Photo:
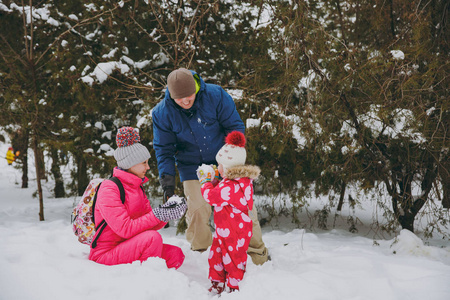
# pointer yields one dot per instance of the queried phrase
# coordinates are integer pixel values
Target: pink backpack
(83, 222)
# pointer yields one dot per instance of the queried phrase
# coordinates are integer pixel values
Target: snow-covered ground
(44, 260)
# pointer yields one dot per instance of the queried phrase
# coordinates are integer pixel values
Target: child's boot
(216, 287)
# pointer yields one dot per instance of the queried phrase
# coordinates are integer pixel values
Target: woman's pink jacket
(124, 220)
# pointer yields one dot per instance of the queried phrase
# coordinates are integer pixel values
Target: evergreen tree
(380, 85)
(336, 93)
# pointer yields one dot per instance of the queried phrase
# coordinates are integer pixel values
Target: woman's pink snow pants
(141, 247)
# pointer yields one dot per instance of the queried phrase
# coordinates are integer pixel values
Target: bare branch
(31, 30)
(83, 22)
(12, 49)
(24, 18)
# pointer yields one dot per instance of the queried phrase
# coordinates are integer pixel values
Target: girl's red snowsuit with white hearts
(232, 198)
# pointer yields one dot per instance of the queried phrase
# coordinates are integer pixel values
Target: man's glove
(168, 185)
(205, 173)
(174, 208)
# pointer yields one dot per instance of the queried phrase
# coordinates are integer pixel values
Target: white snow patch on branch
(235, 94)
(253, 122)
(402, 123)
(398, 54)
(110, 54)
(103, 70)
(3, 7)
(73, 17)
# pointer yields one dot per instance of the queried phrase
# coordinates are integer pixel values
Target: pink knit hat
(233, 152)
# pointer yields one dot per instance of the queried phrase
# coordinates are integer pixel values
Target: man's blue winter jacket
(190, 137)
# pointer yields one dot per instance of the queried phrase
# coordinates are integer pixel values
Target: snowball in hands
(205, 172)
(175, 200)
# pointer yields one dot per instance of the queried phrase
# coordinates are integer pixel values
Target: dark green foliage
(320, 77)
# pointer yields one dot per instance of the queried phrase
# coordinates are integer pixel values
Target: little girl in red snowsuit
(232, 198)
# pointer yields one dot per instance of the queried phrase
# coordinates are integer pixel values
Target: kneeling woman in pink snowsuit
(131, 231)
(232, 198)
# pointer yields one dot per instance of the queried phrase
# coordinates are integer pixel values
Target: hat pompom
(233, 152)
(127, 136)
(235, 138)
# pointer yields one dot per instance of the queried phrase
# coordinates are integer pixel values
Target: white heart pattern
(226, 259)
(248, 192)
(223, 232)
(233, 281)
(236, 188)
(246, 218)
(225, 193)
(205, 195)
(240, 243)
(218, 267)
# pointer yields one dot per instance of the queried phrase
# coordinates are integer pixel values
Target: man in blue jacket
(189, 128)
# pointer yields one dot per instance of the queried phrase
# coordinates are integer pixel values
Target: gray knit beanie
(181, 83)
(129, 151)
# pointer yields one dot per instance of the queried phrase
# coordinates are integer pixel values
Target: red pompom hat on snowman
(233, 152)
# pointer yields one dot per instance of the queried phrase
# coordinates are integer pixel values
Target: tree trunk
(20, 142)
(38, 177)
(41, 162)
(446, 195)
(403, 212)
(341, 21)
(83, 179)
(410, 207)
(391, 14)
(59, 182)
(407, 221)
(341, 197)
(444, 174)
(25, 169)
